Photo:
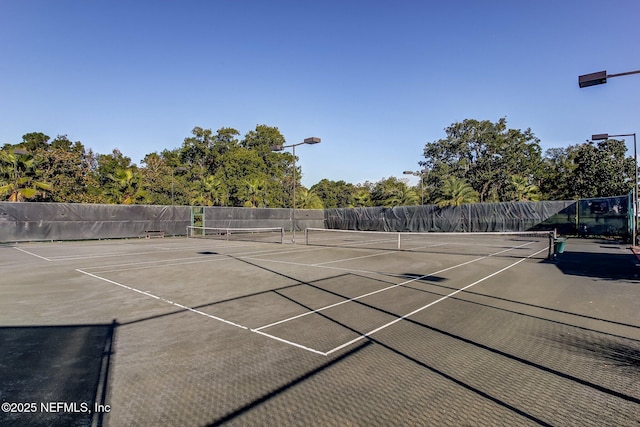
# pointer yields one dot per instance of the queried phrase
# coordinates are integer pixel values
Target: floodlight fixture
(592, 79)
(600, 77)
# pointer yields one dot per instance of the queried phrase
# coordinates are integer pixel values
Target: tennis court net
(508, 244)
(264, 234)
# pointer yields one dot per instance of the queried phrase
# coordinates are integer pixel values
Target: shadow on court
(606, 262)
(49, 366)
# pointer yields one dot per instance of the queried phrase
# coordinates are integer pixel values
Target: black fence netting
(562, 216)
(69, 221)
(74, 221)
(234, 217)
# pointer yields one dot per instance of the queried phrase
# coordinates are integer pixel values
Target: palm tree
(255, 193)
(402, 196)
(212, 192)
(456, 192)
(308, 199)
(17, 176)
(524, 190)
(362, 198)
(125, 187)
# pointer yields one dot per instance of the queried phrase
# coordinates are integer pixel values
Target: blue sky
(376, 80)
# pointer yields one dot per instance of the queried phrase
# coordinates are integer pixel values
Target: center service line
(430, 304)
(383, 289)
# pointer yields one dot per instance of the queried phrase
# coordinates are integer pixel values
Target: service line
(390, 287)
(32, 254)
(378, 329)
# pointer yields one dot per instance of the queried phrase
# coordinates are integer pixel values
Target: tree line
(476, 161)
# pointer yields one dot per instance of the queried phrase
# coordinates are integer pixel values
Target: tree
(588, 170)
(456, 192)
(19, 177)
(255, 193)
(485, 154)
(524, 190)
(71, 170)
(125, 187)
(601, 169)
(211, 192)
(393, 192)
(307, 199)
(362, 197)
(335, 194)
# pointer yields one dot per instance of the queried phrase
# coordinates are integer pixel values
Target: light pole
(173, 171)
(599, 78)
(603, 136)
(312, 140)
(421, 175)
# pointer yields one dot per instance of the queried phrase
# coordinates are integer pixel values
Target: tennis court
(178, 331)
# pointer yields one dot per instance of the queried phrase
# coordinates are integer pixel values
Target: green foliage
(523, 190)
(456, 192)
(588, 170)
(393, 192)
(476, 161)
(19, 176)
(125, 187)
(308, 199)
(484, 154)
(335, 194)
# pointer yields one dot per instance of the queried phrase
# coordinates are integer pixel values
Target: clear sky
(376, 80)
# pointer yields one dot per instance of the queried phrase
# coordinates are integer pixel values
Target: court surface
(180, 331)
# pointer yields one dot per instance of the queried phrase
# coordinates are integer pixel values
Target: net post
(552, 241)
(306, 236)
(281, 235)
(399, 241)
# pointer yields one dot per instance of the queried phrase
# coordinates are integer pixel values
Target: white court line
(218, 257)
(120, 254)
(351, 259)
(165, 263)
(193, 310)
(361, 337)
(32, 254)
(387, 288)
(290, 342)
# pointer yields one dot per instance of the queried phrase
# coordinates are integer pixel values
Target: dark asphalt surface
(188, 332)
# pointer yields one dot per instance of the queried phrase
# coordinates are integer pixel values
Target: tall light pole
(599, 78)
(173, 171)
(421, 175)
(602, 136)
(312, 140)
